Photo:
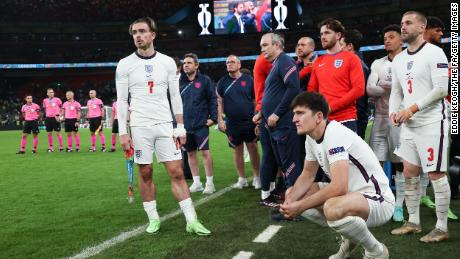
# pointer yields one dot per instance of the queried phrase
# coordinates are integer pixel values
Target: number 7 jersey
(414, 76)
(146, 80)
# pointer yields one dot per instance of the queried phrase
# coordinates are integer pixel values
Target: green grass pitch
(53, 205)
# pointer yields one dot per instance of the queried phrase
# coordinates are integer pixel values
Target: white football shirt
(146, 82)
(365, 173)
(380, 71)
(421, 78)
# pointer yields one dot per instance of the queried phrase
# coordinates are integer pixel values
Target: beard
(329, 44)
(409, 37)
(303, 55)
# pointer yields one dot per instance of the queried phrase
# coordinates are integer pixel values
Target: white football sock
(188, 210)
(412, 197)
(264, 195)
(315, 216)
(242, 180)
(272, 186)
(150, 208)
(196, 179)
(399, 182)
(355, 229)
(209, 179)
(442, 199)
(424, 181)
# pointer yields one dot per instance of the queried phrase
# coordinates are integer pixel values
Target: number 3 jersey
(146, 80)
(414, 76)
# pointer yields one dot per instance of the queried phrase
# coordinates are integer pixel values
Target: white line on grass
(267, 234)
(243, 255)
(94, 250)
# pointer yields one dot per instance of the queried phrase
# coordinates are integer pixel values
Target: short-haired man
(31, 113)
(420, 83)
(281, 86)
(338, 75)
(96, 117)
(384, 135)
(236, 23)
(71, 113)
(200, 112)
(433, 34)
(433, 31)
(305, 49)
(235, 98)
(358, 195)
(145, 76)
(52, 106)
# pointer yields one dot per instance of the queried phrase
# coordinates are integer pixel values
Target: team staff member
(281, 86)
(235, 98)
(200, 112)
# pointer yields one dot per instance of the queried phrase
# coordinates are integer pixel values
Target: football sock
(424, 181)
(50, 140)
(114, 140)
(412, 197)
(77, 141)
(442, 199)
(69, 142)
(355, 229)
(188, 210)
(399, 182)
(102, 138)
(93, 141)
(59, 135)
(35, 142)
(196, 179)
(23, 143)
(150, 208)
(315, 216)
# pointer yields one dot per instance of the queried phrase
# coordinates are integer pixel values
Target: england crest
(138, 153)
(148, 69)
(409, 65)
(338, 63)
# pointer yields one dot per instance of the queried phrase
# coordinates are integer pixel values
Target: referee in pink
(52, 106)
(96, 117)
(31, 113)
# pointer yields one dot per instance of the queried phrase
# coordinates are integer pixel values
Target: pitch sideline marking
(267, 234)
(94, 250)
(243, 255)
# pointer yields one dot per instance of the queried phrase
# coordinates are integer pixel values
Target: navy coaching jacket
(199, 101)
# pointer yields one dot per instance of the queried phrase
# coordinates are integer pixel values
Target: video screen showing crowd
(236, 17)
(306, 113)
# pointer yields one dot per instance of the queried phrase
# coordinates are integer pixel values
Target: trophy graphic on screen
(204, 19)
(280, 12)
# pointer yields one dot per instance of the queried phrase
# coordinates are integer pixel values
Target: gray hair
(277, 39)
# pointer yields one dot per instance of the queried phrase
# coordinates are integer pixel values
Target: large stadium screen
(235, 17)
